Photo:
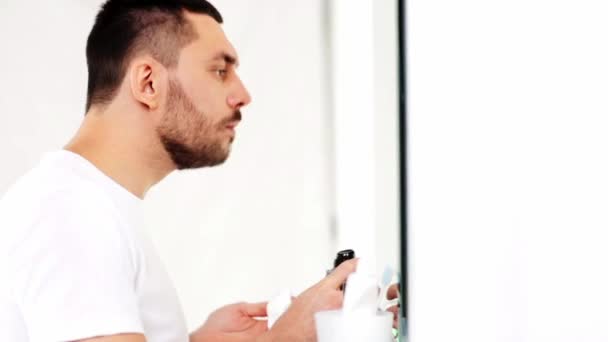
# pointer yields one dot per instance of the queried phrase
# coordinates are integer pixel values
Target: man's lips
(232, 125)
(234, 120)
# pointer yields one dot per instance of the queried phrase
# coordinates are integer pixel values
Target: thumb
(338, 276)
(393, 292)
(255, 309)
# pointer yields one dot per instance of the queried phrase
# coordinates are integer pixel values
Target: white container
(354, 326)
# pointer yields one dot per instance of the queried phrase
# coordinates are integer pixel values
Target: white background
(509, 189)
(270, 218)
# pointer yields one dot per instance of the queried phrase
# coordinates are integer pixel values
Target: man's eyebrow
(226, 57)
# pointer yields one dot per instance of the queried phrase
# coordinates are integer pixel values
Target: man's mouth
(232, 125)
(236, 118)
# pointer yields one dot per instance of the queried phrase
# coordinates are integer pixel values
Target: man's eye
(221, 72)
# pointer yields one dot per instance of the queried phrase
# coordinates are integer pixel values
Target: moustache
(235, 117)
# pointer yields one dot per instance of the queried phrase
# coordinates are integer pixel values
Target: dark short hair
(124, 28)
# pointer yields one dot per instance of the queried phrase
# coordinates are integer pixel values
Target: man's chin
(199, 164)
(219, 161)
(189, 162)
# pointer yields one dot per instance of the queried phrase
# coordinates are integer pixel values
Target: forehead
(211, 39)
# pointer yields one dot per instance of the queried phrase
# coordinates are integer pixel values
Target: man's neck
(128, 153)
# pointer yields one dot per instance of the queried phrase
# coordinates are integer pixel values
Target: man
(163, 94)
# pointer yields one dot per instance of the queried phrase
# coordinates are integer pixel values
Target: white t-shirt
(74, 262)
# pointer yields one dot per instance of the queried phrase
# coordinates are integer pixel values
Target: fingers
(259, 328)
(255, 309)
(395, 311)
(393, 292)
(338, 276)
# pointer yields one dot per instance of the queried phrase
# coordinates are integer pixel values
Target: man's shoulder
(42, 206)
(42, 190)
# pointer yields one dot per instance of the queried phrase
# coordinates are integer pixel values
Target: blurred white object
(359, 319)
(361, 293)
(388, 279)
(354, 326)
(277, 306)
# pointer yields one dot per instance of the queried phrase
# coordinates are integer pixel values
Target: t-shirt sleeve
(75, 273)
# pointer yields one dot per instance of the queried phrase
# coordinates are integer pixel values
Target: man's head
(171, 60)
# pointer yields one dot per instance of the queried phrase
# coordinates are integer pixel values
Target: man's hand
(233, 323)
(393, 293)
(297, 323)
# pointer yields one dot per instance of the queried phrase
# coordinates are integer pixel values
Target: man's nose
(240, 97)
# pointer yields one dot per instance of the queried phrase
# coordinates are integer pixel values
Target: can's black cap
(344, 255)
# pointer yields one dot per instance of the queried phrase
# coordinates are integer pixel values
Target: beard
(189, 137)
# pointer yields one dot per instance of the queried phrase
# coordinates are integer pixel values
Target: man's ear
(147, 82)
